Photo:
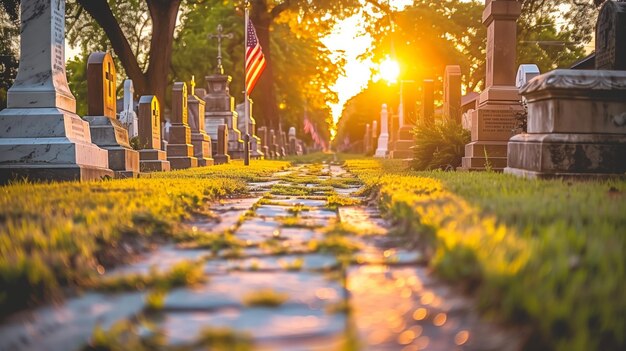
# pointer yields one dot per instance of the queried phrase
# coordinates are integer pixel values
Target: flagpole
(246, 105)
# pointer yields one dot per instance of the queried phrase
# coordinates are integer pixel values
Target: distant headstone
(106, 131)
(452, 93)
(151, 157)
(221, 156)
(41, 137)
(525, 73)
(428, 101)
(383, 139)
(374, 137)
(407, 117)
(128, 117)
(263, 135)
(180, 151)
(367, 137)
(256, 151)
(200, 140)
(274, 148)
(611, 36)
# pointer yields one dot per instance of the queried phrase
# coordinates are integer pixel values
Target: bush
(439, 145)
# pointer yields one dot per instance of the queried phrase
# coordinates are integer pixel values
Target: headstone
(256, 151)
(525, 73)
(407, 116)
(262, 132)
(41, 137)
(374, 137)
(151, 157)
(291, 135)
(200, 140)
(220, 109)
(180, 151)
(611, 36)
(428, 101)
(576, 118)
(367, 137)
(128, 117)
(282, 143)
(494, 120)
(383, 139)
(106, 131)
(221, 156)
(452, 93)
(274, 149)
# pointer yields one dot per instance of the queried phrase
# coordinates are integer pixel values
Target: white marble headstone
(383, 138)
(128, 117)
(525, 73)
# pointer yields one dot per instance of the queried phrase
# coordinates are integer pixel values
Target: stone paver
(280, 292)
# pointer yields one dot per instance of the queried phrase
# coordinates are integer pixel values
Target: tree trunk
(264, 93)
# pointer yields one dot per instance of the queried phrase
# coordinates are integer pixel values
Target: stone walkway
(297, 275)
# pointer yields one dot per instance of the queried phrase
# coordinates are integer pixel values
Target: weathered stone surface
(610, 51)
(180, 151)
(200, 140)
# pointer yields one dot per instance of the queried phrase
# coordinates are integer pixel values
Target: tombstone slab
(256, 150)
(576, 126)
(220, 109)
(611, 36)
(180, 151)
(452, 93)
(41, 136)
(200, 140)
(493, 122)
(106, 131)
(151, 157)
(383, 138)
(222, 156)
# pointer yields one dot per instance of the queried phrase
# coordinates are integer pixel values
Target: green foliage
(265, 298)
(9, 54)
(334, 201)
(77, 80)
(60, 234)
(544, 254)
(439, 145)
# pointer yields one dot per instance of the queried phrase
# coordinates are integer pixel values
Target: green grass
(548, 255)
(265, 298)
(58, 235)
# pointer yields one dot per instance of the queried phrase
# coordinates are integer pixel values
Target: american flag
(255, 61)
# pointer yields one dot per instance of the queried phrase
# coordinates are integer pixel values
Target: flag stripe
(255, 61)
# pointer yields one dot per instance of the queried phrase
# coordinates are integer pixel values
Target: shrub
(439, 145)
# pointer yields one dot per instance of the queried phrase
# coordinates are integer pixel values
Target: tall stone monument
(220, 109)
(374, 137)
(383, 138)
(151, 157)
(180, 151)
(41, 137)
(128, 117)
(452, 93)
(494, 120)
(106, 131)
(200, 140)
(577, 118)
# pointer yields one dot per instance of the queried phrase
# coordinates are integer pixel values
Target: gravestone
(151, 157)
(292, 141)
(106, 131)
(221, 156)
(41, 136)
(494, 120)
(180, 151)
(611, 36)
(128, 117)
(274, 150)
(452, 93)
(220, 109)
(383, 138)
(576, 120)
(200, 140)
(407, 116)
(367, 137)
(282, 143)
(256, 151)
(374, 137)
(525, 73)
(428, 101)
(262, 132)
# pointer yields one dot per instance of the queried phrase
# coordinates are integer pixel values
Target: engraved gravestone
(41, 137)
(179, 148)
(106, 131)
(200, 140)
(611, 36)
(151, 157)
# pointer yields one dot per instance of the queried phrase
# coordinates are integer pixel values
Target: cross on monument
(155, 114)
(109, 78)
(219, 35)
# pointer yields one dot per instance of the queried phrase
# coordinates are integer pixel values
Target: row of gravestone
(576, 118)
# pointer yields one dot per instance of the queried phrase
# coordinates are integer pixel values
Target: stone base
(152, 160)
(567, 155)
(181, 156)
(478, 153)
(266, 152)
(123, 160)
(402, 149)
(204, 162)
(48, 173)
(221, 159)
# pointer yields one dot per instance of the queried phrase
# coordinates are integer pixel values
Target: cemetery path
(293, 273)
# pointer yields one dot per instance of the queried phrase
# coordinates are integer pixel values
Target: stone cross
(219, 36)
(149, 123)
(101, 80)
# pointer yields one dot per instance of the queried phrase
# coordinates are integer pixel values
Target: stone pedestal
(494, 120)
(41, 137)
(220, 109)
(576, 126)
(106, 131)
(151, 157)
(180, 151)
(200, 140)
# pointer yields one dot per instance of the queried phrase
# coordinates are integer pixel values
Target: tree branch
(280, 8)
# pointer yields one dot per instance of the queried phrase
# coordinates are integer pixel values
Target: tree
(9, 33)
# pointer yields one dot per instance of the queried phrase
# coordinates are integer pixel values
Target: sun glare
(389, 70)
